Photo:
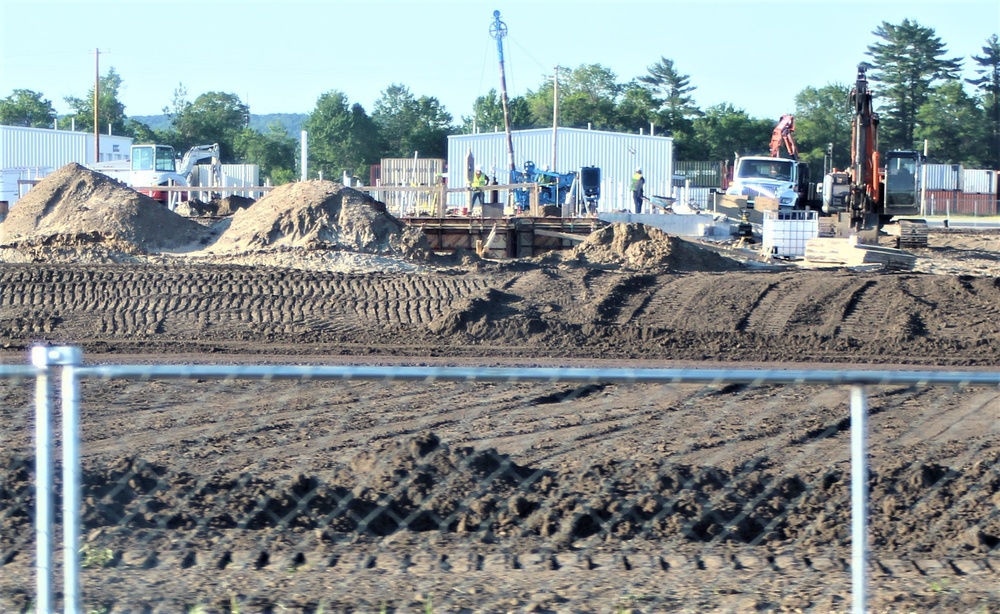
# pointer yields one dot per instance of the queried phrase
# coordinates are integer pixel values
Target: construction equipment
(554, 188)
(782, 135)
(153, 165)
(783, 180)
(871, 193)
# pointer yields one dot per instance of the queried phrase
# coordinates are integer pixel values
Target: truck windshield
(780, 170)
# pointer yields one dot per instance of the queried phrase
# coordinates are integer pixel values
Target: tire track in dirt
(669, 303)
(774, 309)
(192, 302)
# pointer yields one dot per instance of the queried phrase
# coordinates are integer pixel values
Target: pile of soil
(641, 247)
(320, 215)
(76, 206)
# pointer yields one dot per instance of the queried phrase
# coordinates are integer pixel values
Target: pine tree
(908, 64)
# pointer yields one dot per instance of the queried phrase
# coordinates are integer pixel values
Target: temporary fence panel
(701, 174)
(233, 176)
(785, 233)
(410, 172)
(333, 488)
(11, 179)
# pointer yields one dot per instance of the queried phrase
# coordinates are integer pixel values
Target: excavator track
(912, 234)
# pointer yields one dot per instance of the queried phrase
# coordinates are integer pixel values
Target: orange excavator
(870, 191)
(783, 135)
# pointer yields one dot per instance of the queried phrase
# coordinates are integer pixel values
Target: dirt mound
(77, 206)
(320, 215)
(637, 246)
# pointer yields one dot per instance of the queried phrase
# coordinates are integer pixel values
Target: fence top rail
(536, 374)
(18, 371)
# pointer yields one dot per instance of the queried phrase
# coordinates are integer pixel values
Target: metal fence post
(859, 497)
(69, 358)
(43, 481)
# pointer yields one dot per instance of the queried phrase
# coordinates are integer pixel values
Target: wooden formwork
(508, 237)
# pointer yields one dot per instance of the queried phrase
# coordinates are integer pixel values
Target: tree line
(919, 96)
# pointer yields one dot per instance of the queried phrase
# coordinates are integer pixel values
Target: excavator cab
(901, 181)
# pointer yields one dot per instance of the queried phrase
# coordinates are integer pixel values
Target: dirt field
(479, 496)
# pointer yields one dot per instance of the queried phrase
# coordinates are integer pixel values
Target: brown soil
(475, 496)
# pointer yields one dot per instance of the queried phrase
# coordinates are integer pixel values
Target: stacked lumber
(848, 252)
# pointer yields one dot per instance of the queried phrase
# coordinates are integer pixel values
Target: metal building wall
(616, 154)
(32, 153)
(31, 147)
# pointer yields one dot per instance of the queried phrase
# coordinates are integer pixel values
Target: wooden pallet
(848, 252)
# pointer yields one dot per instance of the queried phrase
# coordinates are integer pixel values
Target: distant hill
(291, 122)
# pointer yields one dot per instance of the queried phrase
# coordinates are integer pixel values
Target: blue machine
(554, 186)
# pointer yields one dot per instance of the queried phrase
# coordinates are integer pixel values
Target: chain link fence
(275, 488)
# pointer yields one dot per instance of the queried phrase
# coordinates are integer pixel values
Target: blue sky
(280, 57)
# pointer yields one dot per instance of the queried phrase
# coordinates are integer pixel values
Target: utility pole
(555, 116)
(97, 97)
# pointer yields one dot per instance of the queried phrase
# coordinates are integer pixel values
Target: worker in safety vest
(476, 184)
(638, 184)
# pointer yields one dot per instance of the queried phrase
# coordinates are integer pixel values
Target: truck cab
(777, 178)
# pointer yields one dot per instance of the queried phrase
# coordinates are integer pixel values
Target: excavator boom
(782, 135)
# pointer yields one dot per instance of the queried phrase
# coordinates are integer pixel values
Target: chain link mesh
(489, 496)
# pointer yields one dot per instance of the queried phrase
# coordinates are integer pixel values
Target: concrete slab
(676, 224)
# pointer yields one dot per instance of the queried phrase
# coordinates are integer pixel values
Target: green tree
(273, 151)
(487, 114)
(27, 108)
(110, 111)
(955, 126)
(407, 124)
(724, 131)
(672, 93)
(988, 84)
(342, 138)
(908, 64)
(636, 109)
(140, 132)
(588, 96)
(213, 117)
(823, 117)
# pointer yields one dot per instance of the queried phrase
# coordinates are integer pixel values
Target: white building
(617, 154)
(32, 153)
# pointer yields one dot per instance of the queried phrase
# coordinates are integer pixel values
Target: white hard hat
(479, 168)
(638, 170)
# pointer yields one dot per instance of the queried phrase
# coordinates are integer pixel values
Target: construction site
(461, 495)
(315, 272)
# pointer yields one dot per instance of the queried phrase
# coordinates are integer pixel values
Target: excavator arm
(782, 135)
